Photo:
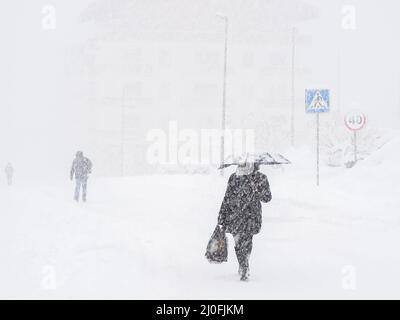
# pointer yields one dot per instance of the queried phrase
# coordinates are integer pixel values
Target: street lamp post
(122, 143)
(293, 95)
(223, 123)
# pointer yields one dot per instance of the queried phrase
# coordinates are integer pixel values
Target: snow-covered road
(145, 237)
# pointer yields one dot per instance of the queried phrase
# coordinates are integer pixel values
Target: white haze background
(144, 236)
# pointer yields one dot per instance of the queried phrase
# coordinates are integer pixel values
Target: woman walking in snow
(9, 170)
(240, 213)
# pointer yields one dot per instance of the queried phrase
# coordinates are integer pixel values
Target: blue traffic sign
(317, 101)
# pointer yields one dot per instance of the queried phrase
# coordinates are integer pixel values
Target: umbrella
(261, 159)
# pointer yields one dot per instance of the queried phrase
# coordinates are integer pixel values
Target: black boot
(243, 248)
(245, 275)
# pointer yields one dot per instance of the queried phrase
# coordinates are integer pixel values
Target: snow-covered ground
(145, 237)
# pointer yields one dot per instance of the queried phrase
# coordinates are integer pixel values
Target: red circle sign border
(363, 125)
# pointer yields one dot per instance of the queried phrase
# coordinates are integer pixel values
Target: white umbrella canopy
(265, 158)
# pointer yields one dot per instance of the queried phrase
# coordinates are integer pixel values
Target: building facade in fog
(148, 63)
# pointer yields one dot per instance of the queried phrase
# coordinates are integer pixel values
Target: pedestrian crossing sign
(317, 101)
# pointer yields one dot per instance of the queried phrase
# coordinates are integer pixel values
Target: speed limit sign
(355, 121)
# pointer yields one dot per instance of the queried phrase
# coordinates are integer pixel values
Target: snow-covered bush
(337, 142)
(184, 169)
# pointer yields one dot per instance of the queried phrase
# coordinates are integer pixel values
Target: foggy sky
(42, 123)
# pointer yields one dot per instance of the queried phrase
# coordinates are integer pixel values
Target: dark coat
(241, 209)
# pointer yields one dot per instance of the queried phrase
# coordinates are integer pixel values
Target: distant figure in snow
(9, 170)
(81, 168)
(240, 213)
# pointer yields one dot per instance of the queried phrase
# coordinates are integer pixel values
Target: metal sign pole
(292, 118)
(355, 121)
(123, 129)
(317, 149)
(223, 124)
(355, 146)
(317, 101)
